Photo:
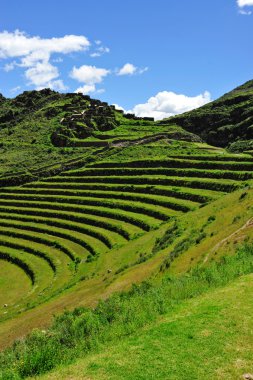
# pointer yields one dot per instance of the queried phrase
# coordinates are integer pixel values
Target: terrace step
(48, 237)
(40, 273)
(96, 212)
(58, 270)
(100, 229)
(225, 186)
(76, 244)
(159, 171)
(11, 257)
(176, 162)
(193, 195)
(58, 227)
(109, 199)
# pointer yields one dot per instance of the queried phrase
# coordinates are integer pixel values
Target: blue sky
(154, 57)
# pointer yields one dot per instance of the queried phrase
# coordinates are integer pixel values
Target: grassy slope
(28, 122)
(13, 290)
(100, 283)
(207, 337)
(25, 142)
(226, 121)
(103, 284)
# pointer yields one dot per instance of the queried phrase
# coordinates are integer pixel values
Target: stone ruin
(84, 116)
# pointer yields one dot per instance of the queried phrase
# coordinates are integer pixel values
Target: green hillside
(185, 334)
(208, 336)
(226, 122)
(93, 200)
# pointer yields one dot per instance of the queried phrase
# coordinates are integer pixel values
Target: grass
(74, 213)
(180, 193)
(14, 290)
(72, 241)
(207, 337)
(195, 183)
(94, 234)
(103, 217)
(83, 330)
(226, 122)
(134, 262)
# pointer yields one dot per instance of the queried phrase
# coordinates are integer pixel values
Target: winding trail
(248, 224)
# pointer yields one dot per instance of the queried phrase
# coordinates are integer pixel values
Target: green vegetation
(81, 213)
(204, 337)
(78, 332)
(102, 200)
(226, 122)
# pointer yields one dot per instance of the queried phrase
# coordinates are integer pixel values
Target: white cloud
(100, 51)
(19, 44)
(89, 89)
(130, 69)
(127, 69)
(94, 55)
(166, 104)
(141, 71)
(41, 73)
(10, 66)
(119, 107)
(15, 89)
(244, 3)
(56, 85)
(34, 54)
(86, 89)
(57, 60)
(89, 76)
(100, 91)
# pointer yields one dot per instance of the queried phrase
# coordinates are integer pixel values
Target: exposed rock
(248, 376)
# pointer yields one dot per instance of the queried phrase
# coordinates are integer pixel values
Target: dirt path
(248, 224)
(139, 141)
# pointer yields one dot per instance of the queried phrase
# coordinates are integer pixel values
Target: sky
(154, 58)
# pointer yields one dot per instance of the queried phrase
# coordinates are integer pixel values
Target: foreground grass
(77, 333)
(208, 337)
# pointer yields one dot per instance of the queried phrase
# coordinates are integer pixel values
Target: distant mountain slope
(226, 122)
(42, 129)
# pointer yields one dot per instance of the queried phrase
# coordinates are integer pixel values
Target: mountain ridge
(225, 122)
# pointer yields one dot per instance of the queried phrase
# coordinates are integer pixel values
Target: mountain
(45, 128)
(110, 222)
(225, 122)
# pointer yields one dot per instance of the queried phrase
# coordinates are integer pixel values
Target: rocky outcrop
(82, 118)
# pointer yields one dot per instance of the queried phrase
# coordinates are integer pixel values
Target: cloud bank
(167, 103)
(34, 53)
(39, 57)
(89, 76)
(244, 3)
